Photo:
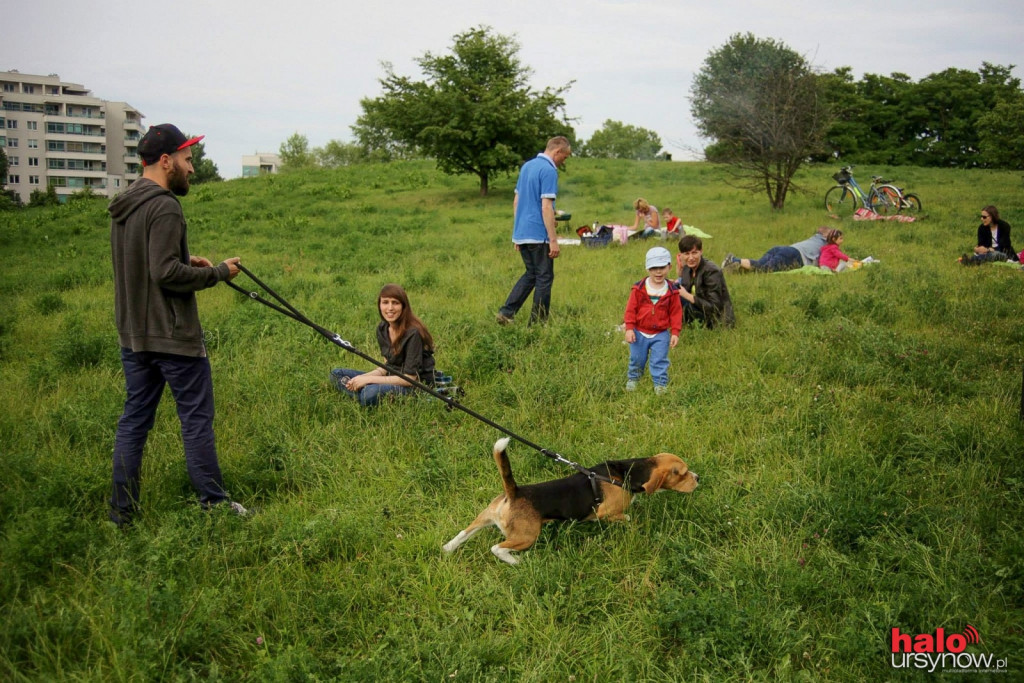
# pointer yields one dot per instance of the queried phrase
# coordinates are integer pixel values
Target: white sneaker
(631, 385)
(659, 390)
(237, 508)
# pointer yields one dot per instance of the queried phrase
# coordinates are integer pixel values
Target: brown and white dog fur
(521, 510)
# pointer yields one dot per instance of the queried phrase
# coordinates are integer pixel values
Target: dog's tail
(501, 459)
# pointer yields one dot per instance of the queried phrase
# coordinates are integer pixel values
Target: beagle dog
(521, 510)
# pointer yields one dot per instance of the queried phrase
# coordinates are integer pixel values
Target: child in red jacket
(654, 318)
(831, 256)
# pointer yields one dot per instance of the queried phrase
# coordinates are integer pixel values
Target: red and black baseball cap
(164, 138)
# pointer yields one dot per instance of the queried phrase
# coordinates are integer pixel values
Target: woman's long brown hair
(407, 319)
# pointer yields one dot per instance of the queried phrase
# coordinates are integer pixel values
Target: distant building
(56, 133)
(258, 164)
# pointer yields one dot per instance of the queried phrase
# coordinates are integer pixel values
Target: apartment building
(258, 164)
(57, 133)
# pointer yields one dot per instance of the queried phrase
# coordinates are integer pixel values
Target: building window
(10, 87)
(13, 179)
(12, 124)
(12, 161)
(33, 144)
(33, 180)
(12, 142)
(32, 125)
(33, 161)
(28, 88)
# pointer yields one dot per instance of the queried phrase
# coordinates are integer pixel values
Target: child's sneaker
(659, 390)
(631, 385)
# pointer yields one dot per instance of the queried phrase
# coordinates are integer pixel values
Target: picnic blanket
(821, 270)
(863, 214)
(696, 232)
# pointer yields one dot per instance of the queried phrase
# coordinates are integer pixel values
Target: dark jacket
(1002, 236)
(154, 285)
(412, 359)
(712, 302)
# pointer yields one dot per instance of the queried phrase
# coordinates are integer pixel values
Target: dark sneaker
(503, 319)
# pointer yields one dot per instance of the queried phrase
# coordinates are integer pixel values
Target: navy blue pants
(538, 278)
(145, 375)
(779, 258)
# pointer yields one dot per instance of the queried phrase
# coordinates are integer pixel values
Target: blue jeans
(371, 394)
(145, 375)
(657, 348)
(538, 278)
(779, 258)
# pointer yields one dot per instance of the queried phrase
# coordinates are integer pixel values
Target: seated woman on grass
(993, 240)
(407, 348)
(647, 222)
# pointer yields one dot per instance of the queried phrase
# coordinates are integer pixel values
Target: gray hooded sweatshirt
(154, 285)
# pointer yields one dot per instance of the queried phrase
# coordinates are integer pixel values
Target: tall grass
(856, 436)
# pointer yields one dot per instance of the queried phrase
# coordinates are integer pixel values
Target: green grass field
(857, 438)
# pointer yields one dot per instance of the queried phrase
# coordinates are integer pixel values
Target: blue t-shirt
(538, 179)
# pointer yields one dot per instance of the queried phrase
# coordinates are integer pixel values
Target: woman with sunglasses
(993, 240)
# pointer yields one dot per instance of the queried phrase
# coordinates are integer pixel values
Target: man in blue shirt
(534, 231)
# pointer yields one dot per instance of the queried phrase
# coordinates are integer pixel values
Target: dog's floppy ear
(656, 480)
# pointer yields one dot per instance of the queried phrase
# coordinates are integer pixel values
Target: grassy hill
(857, 438)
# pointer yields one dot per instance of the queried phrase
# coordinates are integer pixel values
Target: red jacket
(642, 315)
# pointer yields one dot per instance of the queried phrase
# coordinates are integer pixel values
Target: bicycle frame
(851, 185)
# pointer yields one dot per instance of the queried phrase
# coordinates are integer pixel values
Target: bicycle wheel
(911, 204)
(885, 199)
(840, 200)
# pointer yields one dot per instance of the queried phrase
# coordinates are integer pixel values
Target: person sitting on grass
(778, 259)
(831, 256)
(993, 240)
(407, 348)
(653, 319)
(672, 223)
(702, 288)
(648, 215)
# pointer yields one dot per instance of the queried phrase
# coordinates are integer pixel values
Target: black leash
(290, 311)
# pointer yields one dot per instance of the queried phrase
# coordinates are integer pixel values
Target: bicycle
(881, 197)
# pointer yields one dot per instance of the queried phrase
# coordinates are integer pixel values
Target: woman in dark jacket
(406, 345)
(993, 240)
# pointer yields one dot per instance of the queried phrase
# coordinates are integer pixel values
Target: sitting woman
(993, 240)
(407, 348)
(648, 215)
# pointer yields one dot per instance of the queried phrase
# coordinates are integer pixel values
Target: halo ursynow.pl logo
(939, 651)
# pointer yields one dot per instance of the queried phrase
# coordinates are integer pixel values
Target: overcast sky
(248, 74)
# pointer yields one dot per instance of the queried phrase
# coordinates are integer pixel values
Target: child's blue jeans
(656, 348)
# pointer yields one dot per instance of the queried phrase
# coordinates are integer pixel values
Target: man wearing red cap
(155, 281)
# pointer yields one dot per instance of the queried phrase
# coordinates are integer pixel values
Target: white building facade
(56, 133)
(258, 164)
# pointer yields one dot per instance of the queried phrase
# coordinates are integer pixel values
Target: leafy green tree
(336, 154)
(849, 108)
(205, 170)
(764, 108)
(47, 197)
(1001, 134)
(474, 112)
(616, 140)
(295, 153)
(951, 118)
(9, 199)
